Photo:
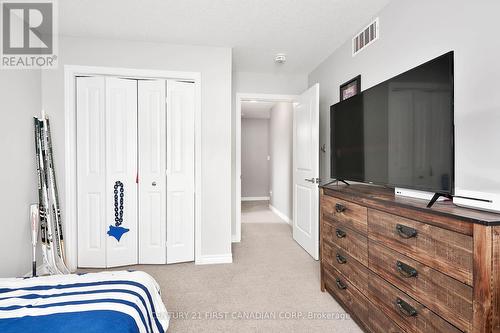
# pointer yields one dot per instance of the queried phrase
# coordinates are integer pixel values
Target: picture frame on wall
(350, 88)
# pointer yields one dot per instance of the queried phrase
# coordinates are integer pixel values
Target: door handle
(153, 184)
(312, 180)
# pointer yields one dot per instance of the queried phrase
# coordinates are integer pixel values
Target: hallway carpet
(272, 286)
(258, 212)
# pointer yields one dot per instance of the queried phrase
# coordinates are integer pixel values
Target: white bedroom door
(180, 171)
(306, 171)
(91, 171)
(152, 176)
(121, 172)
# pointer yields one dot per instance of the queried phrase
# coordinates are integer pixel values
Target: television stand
(406, 254)
(343, 181)
(436, 197)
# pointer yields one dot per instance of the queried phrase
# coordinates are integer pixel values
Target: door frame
(71, 72)
(244, 97)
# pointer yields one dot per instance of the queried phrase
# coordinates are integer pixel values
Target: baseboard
(215, 259)
(280, 214)
(235, 239)
(254, 198)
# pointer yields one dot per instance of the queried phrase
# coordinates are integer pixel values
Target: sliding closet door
(152, 181)
(180, 172)
(121, 171)
(91, 171)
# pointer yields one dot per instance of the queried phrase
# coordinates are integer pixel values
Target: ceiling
(306, 30)
(260, 110)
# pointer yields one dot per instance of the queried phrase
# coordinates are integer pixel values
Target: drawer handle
(406, 270)
(340, 233)
(405, 308)
(341, 259)
(339, 208)
(406, 232)
(340, 284)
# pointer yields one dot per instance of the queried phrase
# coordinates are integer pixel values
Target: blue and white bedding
(111, 302)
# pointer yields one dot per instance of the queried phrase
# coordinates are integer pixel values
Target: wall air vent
(366, 37)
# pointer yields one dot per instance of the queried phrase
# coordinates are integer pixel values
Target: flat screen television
(399, 133)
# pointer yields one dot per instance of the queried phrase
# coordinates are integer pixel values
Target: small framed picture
(350, 88)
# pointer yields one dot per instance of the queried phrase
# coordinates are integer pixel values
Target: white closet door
(180, 172)
(91, 171)
(121, 165)
(152, 181)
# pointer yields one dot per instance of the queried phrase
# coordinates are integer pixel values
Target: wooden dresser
(397, 266)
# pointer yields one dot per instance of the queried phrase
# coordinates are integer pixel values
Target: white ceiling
(260, 110)
(306, 30)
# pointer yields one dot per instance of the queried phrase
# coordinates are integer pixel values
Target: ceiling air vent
(367, 36)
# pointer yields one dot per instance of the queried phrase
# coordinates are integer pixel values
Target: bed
(111, 302)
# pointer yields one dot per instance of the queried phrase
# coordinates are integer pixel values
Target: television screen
(399, 133)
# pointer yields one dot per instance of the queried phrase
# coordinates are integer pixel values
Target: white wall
(412, 32)
(281, 151)
(19, 101)
(254, 153)
(269, 83)
(259, 83)
(215, 66)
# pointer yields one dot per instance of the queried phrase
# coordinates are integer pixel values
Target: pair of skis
(49, 212)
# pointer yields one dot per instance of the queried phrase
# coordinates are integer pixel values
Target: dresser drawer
(404, 310)
(338, 259)
(444, 250)
(355, 303)
(440, 293)
(346, 213)
(380, 322)
(352, 242)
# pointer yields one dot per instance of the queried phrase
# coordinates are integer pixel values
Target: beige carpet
(258, 212)
(271, 276)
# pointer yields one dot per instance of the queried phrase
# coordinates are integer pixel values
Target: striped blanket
(111, 302)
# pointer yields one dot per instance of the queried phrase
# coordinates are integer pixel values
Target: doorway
(266, 161)
(304, 215)
(262, 104)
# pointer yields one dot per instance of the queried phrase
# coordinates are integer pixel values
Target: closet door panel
(121, 171)
(91, 171)
(180, 172)
(152, 181)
